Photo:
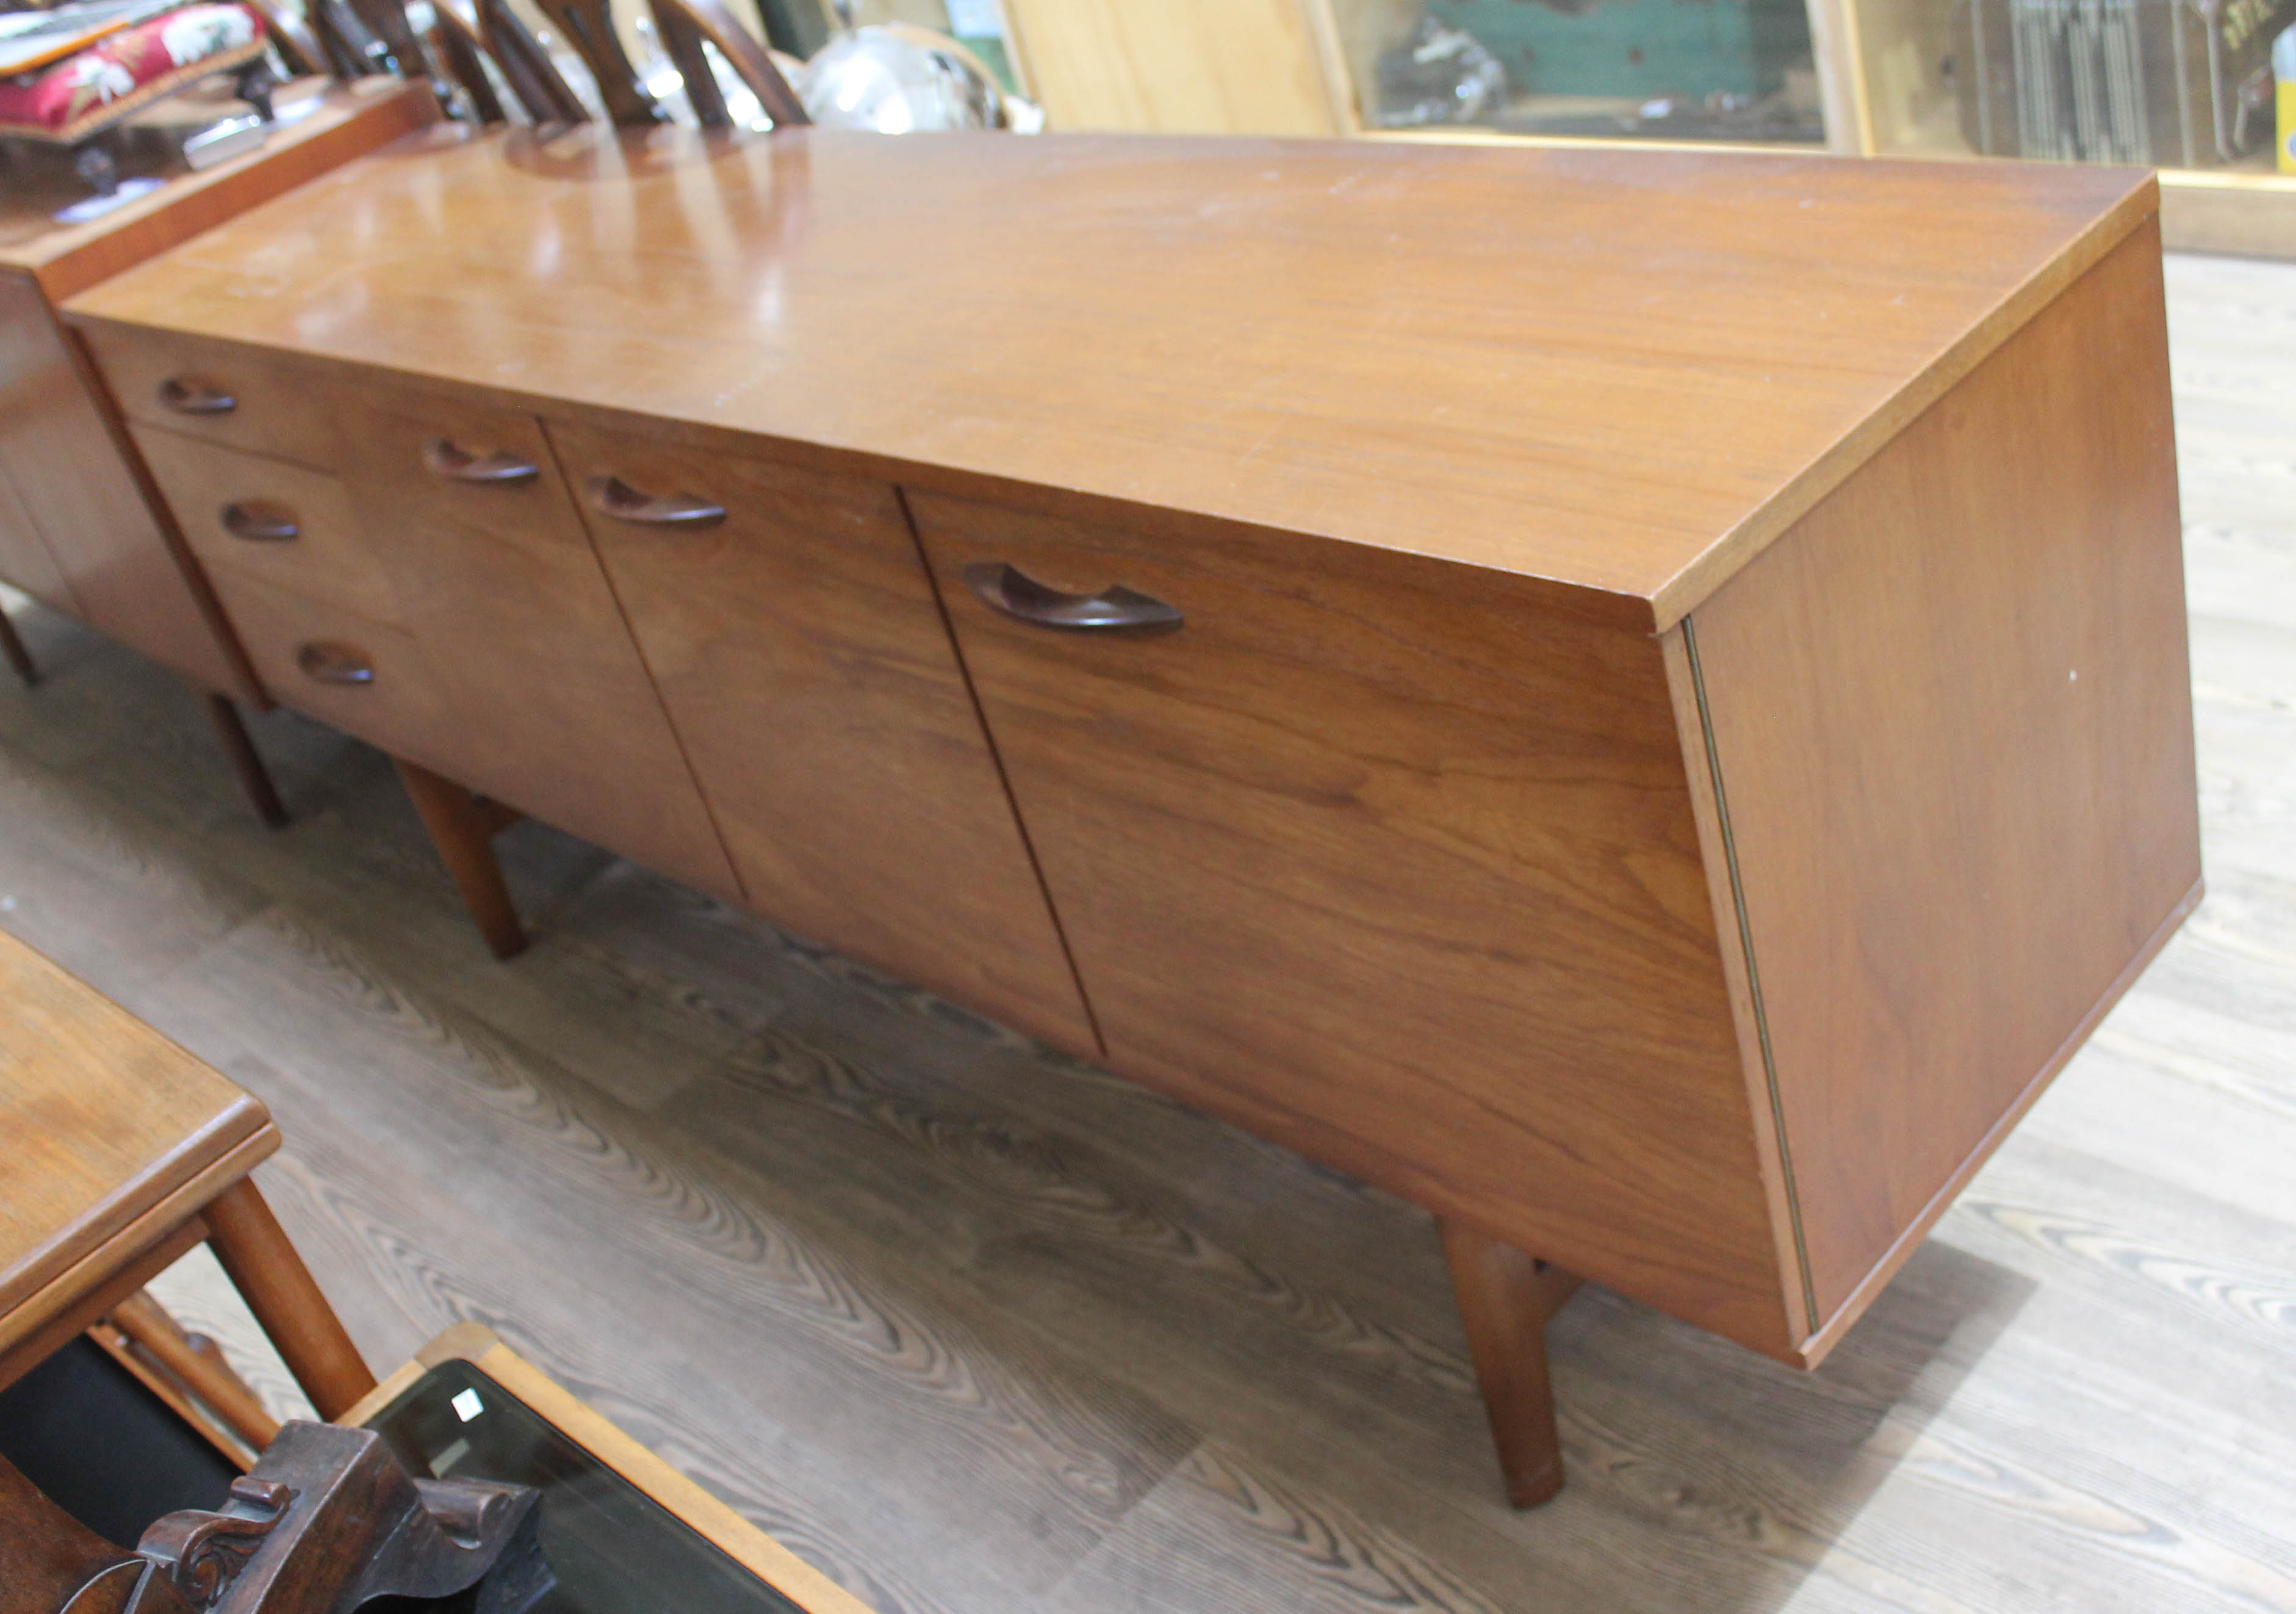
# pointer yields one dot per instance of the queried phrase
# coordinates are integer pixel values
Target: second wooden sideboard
(1636, 701)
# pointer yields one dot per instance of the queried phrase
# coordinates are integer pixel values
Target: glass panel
(614, 1549)
(2176, 84)
(1665, 69)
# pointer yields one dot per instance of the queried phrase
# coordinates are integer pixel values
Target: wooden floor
(975, 1328)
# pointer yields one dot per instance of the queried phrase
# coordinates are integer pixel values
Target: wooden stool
(123, 1151)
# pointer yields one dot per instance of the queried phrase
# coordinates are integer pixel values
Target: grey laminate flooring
(975, 1328)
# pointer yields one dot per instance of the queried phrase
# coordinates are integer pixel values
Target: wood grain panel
(403, 710)
(328, 558)
(74, 481)
(1627, 371)
(1397, 865)
(1178, 66)
(555, 712)
(803, 657)
(1953, 718)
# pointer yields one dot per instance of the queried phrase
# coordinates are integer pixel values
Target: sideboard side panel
(1952, 716)
(1393, 862)
(25, 561)
(76, 485)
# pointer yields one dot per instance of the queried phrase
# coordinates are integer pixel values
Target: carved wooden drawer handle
(187, 394)
(502, 469)
(331, 661)
(260, 521)
(611, 495)
(1114, 610)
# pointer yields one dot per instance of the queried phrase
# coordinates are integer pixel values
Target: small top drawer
(271, 519)
(217, 392)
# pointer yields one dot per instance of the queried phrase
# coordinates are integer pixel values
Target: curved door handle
(331, 661)
(1113, 609)
(259, 521)
(502, 469)
(611, 495)
(187, 394)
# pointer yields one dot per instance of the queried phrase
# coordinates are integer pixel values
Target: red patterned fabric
(129, 70)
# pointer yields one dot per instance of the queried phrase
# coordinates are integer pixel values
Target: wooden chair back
(589, 26)
(685, 24)
(462, 45)
(298, 44)
(386, 21)
(461, 55)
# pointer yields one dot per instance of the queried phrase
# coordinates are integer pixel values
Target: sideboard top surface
(1622, 371)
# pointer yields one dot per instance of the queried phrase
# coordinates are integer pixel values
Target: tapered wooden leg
(462, 828)
(1506, 1298)
(264, 1267)
(19, 654)
(254, 778)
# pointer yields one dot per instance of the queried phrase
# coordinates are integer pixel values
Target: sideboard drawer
(792, 627)
(272, 518)
(218, 392)
(364, 677)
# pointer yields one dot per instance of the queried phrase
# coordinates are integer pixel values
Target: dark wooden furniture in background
(80, 529)
(123, 1152)
(1637, 700)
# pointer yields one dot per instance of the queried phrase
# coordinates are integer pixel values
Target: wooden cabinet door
(806, 663)
(497, 581)
(1393, 861)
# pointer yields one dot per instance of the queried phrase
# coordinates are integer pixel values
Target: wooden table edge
(50, 1277)
(719, 1524)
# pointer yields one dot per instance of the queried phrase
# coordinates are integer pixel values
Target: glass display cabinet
(2184, 85)
(1740, 71)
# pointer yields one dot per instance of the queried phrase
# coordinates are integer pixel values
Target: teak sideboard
(1638, 701)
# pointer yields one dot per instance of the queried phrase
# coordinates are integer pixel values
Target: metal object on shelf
(2180, 83)
(222, 142)
(1437, 74)
(896, 78)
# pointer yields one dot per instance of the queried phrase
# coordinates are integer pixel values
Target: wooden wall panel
(1952, 717)
(1177, 67)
